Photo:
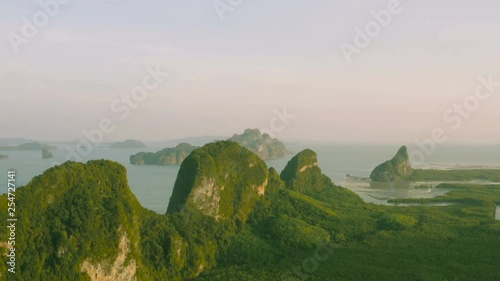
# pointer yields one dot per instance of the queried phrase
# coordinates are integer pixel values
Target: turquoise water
(153, 185)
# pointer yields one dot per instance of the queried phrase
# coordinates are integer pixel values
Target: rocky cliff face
(303, 174)
(167, 156)
(222, 180)
(261, 144)
(397, 169)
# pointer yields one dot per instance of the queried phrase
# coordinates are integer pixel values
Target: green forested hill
(81, 222)
(71, 214)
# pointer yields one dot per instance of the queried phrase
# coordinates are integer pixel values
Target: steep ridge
(221, 180)
(302, 173)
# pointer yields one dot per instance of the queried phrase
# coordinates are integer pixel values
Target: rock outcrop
(3, 157)
(128, 144)
(222, 180)
(261, 144)
(46, 153)
(167, 156)
(118, 270)
(397, 169)
(302, 173)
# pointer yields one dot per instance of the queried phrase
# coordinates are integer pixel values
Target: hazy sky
(264, 56)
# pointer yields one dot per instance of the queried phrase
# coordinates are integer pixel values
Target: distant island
(27, 146)
(399, 169)
(3, 157)
(263, 145)
(167, 156)
(128, 144)
(46, 153)
(14, 141)
(196, 141)
(83, 147)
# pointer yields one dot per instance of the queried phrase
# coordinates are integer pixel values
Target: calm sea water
(153, 185)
